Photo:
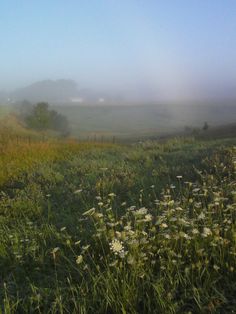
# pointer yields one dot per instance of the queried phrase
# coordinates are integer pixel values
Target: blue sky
(164, 48)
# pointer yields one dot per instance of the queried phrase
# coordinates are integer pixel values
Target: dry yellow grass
(22, 149)
(17, 155)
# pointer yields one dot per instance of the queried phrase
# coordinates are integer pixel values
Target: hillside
(10, 124)
(47, 90)
(14, 129)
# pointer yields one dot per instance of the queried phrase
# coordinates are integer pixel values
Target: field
(103, 228)
(131, 123)
(142, 121)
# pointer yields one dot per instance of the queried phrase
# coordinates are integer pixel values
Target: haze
(137, 49)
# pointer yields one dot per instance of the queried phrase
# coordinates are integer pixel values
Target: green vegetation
(205, 126)
(41, 118)
(145, 228)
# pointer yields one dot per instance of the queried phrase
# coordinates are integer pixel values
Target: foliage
(205, 126)
(42, 118)
(148, 228)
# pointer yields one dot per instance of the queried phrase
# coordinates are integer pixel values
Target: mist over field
(152, 72)
(92, 113)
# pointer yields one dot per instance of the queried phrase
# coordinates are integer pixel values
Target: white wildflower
(206, 232)
(148, 218)
(79, 259)
(141, 211)
(216, 267)
(128, 227)
(163, 225)
(201, 216)
(117, 247)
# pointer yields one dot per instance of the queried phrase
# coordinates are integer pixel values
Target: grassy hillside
(146, 228)
(4, 110)
(13, 128)
(11, 125)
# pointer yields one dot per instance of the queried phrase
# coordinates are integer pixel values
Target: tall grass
(108, 229)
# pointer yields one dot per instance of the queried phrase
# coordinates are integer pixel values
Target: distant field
(103, 123)
(142, 121)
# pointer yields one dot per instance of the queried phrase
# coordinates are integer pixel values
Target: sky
(147, 49)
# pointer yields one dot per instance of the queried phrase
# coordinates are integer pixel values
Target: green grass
(145, 228)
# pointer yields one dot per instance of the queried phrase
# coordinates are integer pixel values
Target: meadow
(131, 123)
(127, 122)
(103, 228)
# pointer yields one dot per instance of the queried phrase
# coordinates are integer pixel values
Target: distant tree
(205, 126)
(59, 122)
(41, 118)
